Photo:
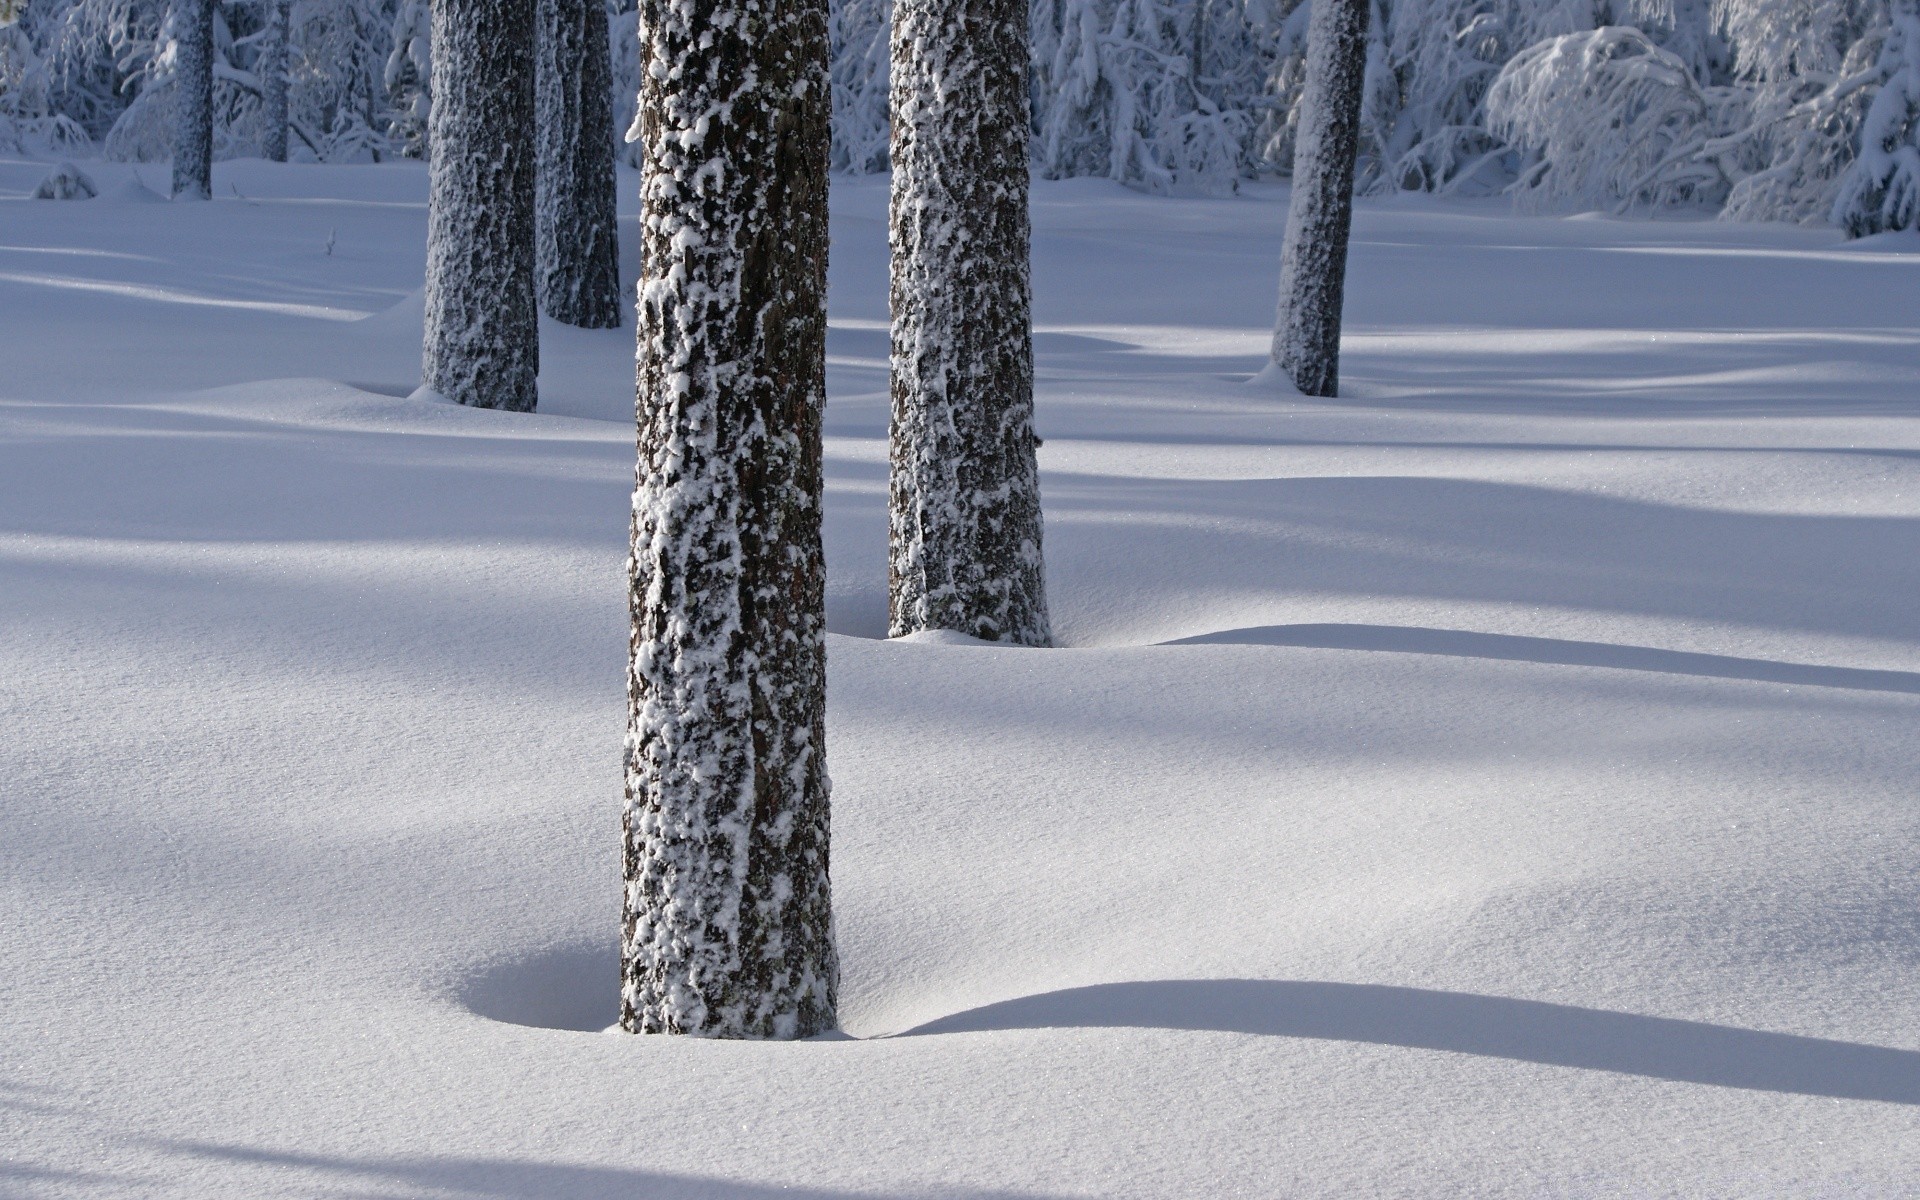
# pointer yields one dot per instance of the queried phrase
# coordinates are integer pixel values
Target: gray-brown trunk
(482, 328)
(577, 240)
(273, 82)
(728, 923)
(964, 537)
(193, 101)
(1313, 260)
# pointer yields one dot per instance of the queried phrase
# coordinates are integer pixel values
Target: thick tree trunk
(482, 330)
(578, 241)
(193, 101)
(1313, 260)
(728, 927)
(273, 81)
(964, 547)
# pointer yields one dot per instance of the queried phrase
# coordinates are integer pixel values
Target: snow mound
(135, 192)
(66, 182)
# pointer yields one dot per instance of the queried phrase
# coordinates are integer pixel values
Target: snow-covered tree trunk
(1313, 258)
(728, 925)
(482, 329)
(578, 245)
(193, 100)
(964, 545)
(272, 70)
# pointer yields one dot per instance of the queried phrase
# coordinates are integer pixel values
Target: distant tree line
(1801, 110)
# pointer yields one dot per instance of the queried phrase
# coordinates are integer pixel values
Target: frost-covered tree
(193, 100)
(859, 35)
(408, 76)
(727, 917)
(964, 514)
(272, 72)
(1881, 190)
(1313, 257)
(1809, 71)
(1610, 119)
(482, 328)
(1157, 94)
(623, 32)
(29, 118)
(577, 236)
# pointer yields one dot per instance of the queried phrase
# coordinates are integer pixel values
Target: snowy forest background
(1799, 110)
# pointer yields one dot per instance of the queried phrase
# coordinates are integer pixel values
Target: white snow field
(1501, 781)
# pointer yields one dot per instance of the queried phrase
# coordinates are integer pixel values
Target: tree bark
(1313, 259)
(578, 244)
(273, 81)
(728, 926)
(193, 101)
(964, 545)
(482, 328)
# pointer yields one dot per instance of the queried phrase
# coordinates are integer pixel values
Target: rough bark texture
(578, 245)
(728, 926)
(1313, 260)
(964, 546)
(482, 330)
(273, 82)
(193, 101)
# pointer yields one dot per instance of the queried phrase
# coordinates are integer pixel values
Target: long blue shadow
(1456, 643)
(1493, 1026)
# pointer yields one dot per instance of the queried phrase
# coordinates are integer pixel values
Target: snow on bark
(1313, 258)
(193, 101)
(482, 329)
(964, 546)
(272, 70)
(577, 247)
(727, 922)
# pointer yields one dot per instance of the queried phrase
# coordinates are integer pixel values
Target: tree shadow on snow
(1457, 643)
(575, 988)
(1492, 1026)
(455, 1175)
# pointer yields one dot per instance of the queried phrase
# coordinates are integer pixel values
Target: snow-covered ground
(1502, 781)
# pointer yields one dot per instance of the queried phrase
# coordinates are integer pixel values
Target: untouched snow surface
(1499, 781)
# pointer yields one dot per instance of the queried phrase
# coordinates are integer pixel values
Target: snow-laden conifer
(577, 237)
(964, 545)
(193, 100)
(1610, 120)
(728, 928)
(861, 33)
(482, 329)
(1881, 190)
(30, 119)
(1808, 67)
(408, 76)
(1313, 257)
(1159, 94)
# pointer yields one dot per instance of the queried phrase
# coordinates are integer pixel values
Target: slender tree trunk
(728, 927)
(482, 330)
(1313, 260)
(578, 242)
(273, 81)
(964, 547)
(193, 101)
